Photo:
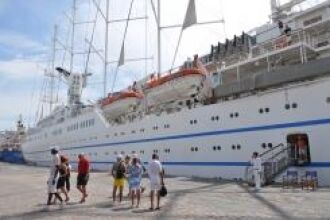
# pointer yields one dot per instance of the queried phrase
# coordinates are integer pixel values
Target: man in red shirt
(83, 176)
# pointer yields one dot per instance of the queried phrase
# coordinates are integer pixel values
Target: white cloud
(19, 69)
(19, 41)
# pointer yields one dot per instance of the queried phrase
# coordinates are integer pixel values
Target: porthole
(219, 147)
(294, 105)
(212, 118)
(328, 100)
(217, 118)
(263, 145)
(236, 114)
(238, 147)
(192, 149)
(270, 145)
(191, 122)
(287, 106)
(261, 111)
(233, 147)
(214, 148)
(267, 110)
(195, 121)
(231, 115)
(196, 148)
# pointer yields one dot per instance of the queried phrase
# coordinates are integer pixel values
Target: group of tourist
(125, 170)
(59, 179)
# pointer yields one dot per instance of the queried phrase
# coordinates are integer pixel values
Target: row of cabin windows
(90, 122)
(293, 106)
(57, 132)
(192, 149)
(81, 125)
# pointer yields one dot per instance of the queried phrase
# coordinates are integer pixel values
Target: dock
(23, 196)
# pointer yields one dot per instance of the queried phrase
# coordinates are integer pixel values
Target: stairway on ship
(277, 160)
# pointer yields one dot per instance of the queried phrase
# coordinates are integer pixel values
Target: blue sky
(25, 34)
(26, 29)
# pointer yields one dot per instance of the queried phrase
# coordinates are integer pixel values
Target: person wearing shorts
(118, 172)
(83, 176)
(134, 180)
(54, 176)
(155, 172)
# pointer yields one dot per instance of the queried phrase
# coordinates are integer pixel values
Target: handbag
(163, 191)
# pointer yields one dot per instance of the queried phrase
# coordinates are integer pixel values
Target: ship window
(219, 148)
(214, 148)
(263, 145)
(236, 114)
(192, 149)
(212, 118)
(261, 111)
(196, 148)
(116, 134)
(106, 153)
(233, 147)
(287, 106)
(231, 115)
(238, 147)
(294, 105)
(122, 133)
(328, 100)
(133, 131)
(217, 118)
(142, 130)
(270, 145)
(195, 121)
(267, 110)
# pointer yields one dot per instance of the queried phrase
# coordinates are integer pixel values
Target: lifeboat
(177, 86)
(120, 102)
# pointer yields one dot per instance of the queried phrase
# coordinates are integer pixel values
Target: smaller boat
(121, 102)
(181, 85)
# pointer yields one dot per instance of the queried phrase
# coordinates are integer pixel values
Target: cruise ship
(266, 90)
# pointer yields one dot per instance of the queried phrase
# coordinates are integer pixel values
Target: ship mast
(52, 72)
(105, 78)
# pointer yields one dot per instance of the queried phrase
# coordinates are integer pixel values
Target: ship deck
(23, 196)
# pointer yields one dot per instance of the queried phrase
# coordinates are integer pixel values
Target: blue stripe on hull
(203, 134)
(213, 164)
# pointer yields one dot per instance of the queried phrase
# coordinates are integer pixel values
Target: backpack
(120, 171)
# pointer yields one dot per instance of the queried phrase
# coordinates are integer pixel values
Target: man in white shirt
(53, 176)
(155, 172)
(257, 169)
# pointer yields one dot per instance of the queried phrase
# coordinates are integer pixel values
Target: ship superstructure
(259, 91)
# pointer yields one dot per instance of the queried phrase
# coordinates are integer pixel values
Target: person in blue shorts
(135, 172)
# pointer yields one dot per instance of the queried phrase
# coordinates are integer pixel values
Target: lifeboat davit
(120, 102)
(176, 86)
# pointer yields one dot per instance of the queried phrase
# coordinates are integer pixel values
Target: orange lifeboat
(157, 81)
(120, 102)
(181, 85)
(117, 96)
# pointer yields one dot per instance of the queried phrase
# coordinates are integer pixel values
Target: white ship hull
(174, 135)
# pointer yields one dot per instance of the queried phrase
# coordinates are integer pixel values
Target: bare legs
(152, 194)
(82, 189)
(136, 194)
(114, 193)
(50, 196)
